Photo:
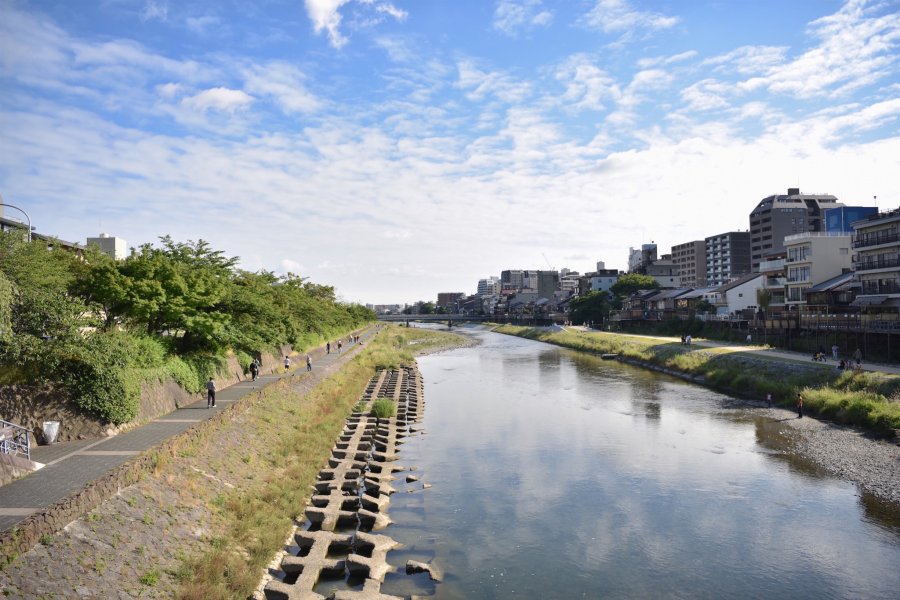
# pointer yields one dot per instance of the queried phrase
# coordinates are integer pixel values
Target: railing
(864, 240)
(771, 265)
(878, 263)
(14, 439)
(873, 287)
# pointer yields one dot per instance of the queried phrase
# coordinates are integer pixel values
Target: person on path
(834, 351)
(769, 399)
(857, 356)
(749, 338)
(254, 370)
(308, 362)
(287, 364)
(799, 405)
(211, 393)
(340, 346)
(327, 347)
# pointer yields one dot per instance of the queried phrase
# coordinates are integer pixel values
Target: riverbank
(218, 506)
(843, 451)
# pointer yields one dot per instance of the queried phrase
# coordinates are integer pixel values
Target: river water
(559, 475)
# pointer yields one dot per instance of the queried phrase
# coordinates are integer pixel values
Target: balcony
(885, 287)
(877, 263)
(771, 265)
(865, 240)
(775, 282)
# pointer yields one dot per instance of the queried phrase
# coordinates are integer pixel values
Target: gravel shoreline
(844, 452)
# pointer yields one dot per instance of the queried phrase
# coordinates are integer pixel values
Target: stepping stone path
(351, 499)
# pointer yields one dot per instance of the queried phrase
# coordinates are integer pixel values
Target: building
(840, 220)
(776, 217)
(448, 299)
(7, 224)
(568, 281)
(739, 295)
(488, 286)
(664, 272)
(727, 257)
(813, 258)
(876, 242)
(690, 259)
(111, 246)
(638, 259)
(543, 283)
(599, 281)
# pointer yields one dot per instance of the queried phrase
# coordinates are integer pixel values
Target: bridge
(434, 318)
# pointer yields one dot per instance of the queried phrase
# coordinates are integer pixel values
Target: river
(559, 475)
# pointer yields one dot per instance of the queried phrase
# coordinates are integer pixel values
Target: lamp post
(2, 203)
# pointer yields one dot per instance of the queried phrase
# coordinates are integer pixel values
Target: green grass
(867, 400)
(383, 408)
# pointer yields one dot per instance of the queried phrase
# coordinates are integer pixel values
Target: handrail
(14, 439)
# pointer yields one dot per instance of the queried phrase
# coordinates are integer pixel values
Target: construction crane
(547, 261)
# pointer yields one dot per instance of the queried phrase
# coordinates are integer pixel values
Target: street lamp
(2, 203)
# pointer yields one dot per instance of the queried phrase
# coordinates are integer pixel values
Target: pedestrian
(254, 370)
(857, 356)
(340, 346)
(682, 339)
(835, 350)
(327, 347)
(287, 364)
(749, 338)
(799, 405)
(769, 399)
(308, 362)
(688, 339)
(211, 393)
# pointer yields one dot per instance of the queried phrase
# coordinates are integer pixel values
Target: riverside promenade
(72, 465)
(752, 349)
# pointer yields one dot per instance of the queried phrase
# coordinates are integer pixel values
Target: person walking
(749, 339)
(211, 393)
(287, 364)
(835, 350)
(308, 362)
(857, 356)
(799, 405)
(340, 346)
(769, 399)
(254, 370)
(327, 347)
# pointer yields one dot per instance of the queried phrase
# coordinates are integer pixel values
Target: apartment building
(727, 257)
(876, 242)
(776, 217)
(811, 258)
(488, 286)
(690, 259)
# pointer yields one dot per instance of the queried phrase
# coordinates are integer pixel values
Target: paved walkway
(760, 351)
(71, 465)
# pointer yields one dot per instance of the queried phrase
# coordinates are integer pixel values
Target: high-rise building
(727, 257)
(781, 215)
(690, 259)
(448, 299)
(840, 220)
(876, 242)
(488, 286)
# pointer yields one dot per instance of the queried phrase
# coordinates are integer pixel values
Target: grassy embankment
(299, 432)
(868, 400)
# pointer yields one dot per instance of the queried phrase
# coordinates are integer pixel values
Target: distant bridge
(433, 318)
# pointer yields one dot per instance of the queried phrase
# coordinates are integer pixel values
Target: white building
(739, 294)
(489, 286)
(112, 246)
(813, 257)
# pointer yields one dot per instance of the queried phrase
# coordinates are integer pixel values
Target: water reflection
(557, 475)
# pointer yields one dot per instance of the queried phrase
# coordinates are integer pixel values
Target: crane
(547, 261)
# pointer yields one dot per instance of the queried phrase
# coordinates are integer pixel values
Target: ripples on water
(558, 475)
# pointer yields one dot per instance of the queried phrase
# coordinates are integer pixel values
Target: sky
(400, 149)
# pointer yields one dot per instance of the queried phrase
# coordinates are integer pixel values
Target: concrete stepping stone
(370, 555)
(371, 591)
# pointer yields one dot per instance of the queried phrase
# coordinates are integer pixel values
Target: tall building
(876, 242)
(110, 245)
(841, 219)
(690, 259)
(544, 283)
(488, 286)
(638, 259)
(781, 215)
(448, 299)
(727, 257)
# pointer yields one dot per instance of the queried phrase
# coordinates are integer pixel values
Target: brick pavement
(70, 466)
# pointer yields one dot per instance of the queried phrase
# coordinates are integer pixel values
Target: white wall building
(112, 246)
(813, 257)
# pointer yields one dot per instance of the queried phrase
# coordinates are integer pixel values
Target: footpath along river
(559, 475)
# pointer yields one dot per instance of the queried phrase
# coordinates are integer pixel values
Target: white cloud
(612, 16)
(219, 99)
(587, 86)
(482, 84)
(202, 24)
(324, 15)
(646, 63)
(170, 90)
(517, 16)
(706, 94)
(284, 83)
(389, 9)
(155, 10)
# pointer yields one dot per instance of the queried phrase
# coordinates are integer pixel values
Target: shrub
(383, 408)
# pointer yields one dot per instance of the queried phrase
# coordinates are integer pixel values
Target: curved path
(70, 466)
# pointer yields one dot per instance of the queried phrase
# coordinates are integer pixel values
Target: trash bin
(51, 431)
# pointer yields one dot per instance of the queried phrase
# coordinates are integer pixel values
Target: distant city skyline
(400, 149)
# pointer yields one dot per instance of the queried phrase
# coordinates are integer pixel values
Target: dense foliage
(100, 326)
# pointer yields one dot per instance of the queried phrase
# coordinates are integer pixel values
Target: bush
(383, 408)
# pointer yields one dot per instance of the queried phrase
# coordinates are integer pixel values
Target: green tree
(592, 307)
(630, 283)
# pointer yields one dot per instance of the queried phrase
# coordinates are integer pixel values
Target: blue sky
(399, 149)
